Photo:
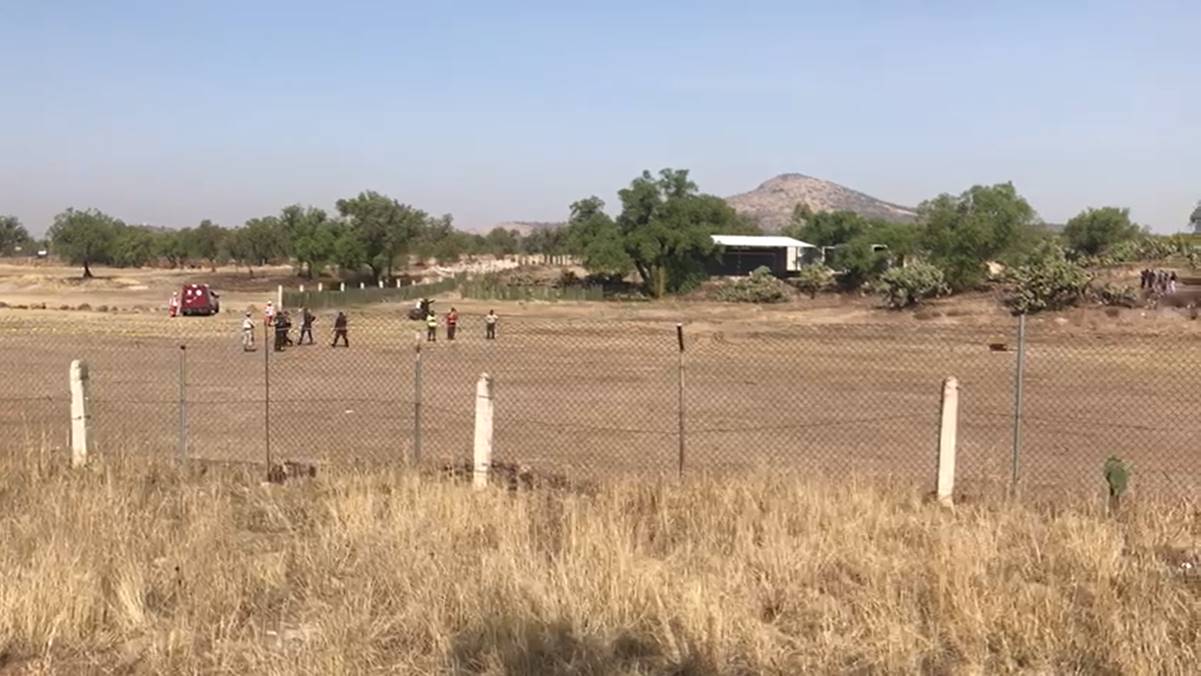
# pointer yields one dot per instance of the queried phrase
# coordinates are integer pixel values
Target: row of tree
(369, 231)
(664, 227)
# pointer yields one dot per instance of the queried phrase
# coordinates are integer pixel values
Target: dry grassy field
(129, 567)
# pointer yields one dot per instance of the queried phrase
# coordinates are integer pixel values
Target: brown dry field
(590, 390)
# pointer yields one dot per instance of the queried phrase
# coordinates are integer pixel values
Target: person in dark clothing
(1144, 279)
(282, 325)
(340, 328)
(306, 326)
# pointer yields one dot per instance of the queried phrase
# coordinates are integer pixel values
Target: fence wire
(591, 398)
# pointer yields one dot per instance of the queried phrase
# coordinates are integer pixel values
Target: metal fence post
(267, 347)
(1019, 383)
(183, 403)
(417, 402)
(680, 396)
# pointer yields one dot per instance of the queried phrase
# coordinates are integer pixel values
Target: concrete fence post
(81, 414)
(381, 283)
(320, 287)
(948, 429)
(279, 296)
(302, 288)
(483, 432)
(397, 282)
(342, 286)
(362, 285)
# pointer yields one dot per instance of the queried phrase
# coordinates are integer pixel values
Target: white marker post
(279, 296)
(81, 415)
(302, 288)
(320, 287)
(483, 432)
(381, 283)
(343, 286)
(948, 429)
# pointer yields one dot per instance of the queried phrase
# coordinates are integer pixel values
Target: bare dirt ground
(591, 389)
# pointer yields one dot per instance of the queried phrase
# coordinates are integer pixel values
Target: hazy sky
(173, 111)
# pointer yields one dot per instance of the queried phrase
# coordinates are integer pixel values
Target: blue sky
(170, 112)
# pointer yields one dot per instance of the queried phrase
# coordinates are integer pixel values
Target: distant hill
(771, 204)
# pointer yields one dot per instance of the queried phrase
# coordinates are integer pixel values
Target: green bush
(1115, 295)
(811, 279)
(1048, 281)
(903, 287)
(760, 287)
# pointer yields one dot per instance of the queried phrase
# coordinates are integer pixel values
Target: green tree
(1195, 219)
(385, 227)
(13, 236)
(172, 246)
(665, 229)
(1047, 281)
(206, 242)
(1093, 231)
(84, 237)
(261, 241)
(549, 241)
(350, 254)
(826, 228)
(310, 237)
(962, 233)
(595, 238)
(502, 242)
(133, 247)
(812, 278)
(903, 287)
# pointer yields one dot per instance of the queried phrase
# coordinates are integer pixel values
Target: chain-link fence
(588, 398)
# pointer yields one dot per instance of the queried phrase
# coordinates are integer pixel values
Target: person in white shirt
(247, 333)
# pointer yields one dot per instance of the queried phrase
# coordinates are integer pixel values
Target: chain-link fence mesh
(589, 398)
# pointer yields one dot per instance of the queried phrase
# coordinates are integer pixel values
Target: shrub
(1115, 295)
(760, 287)
(1048, 281)
(813, 278)
(903, 287)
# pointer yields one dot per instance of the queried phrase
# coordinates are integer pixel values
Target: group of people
(281, 322)
(452, 325)
(1159, 281)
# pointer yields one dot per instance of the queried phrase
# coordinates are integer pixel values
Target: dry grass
(145, 570)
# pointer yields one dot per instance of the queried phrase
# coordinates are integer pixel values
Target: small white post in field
(483, 432)
(343, 287)
(302, 288)
(398, 282)
(279, 296)
(381, 283)
(320, 287)
(948, 428)
(81, 415)
(362, 285)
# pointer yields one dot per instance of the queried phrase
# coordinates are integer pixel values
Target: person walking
(173, 304)
(490, 325)
(1142, 281)
(452, 323)
(281, 331)
(431, 327)
(340, 330)
(269, 314)
(247, 333)
(1172, 279)
(306, 326)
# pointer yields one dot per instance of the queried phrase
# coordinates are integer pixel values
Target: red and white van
(199, 299)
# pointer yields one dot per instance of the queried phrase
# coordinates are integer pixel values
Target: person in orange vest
(452, 323)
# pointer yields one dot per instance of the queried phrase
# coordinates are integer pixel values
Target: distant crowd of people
(281, 322)
(1159, 281)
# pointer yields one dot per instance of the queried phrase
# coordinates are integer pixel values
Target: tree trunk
(87, 270)
(660, 282)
